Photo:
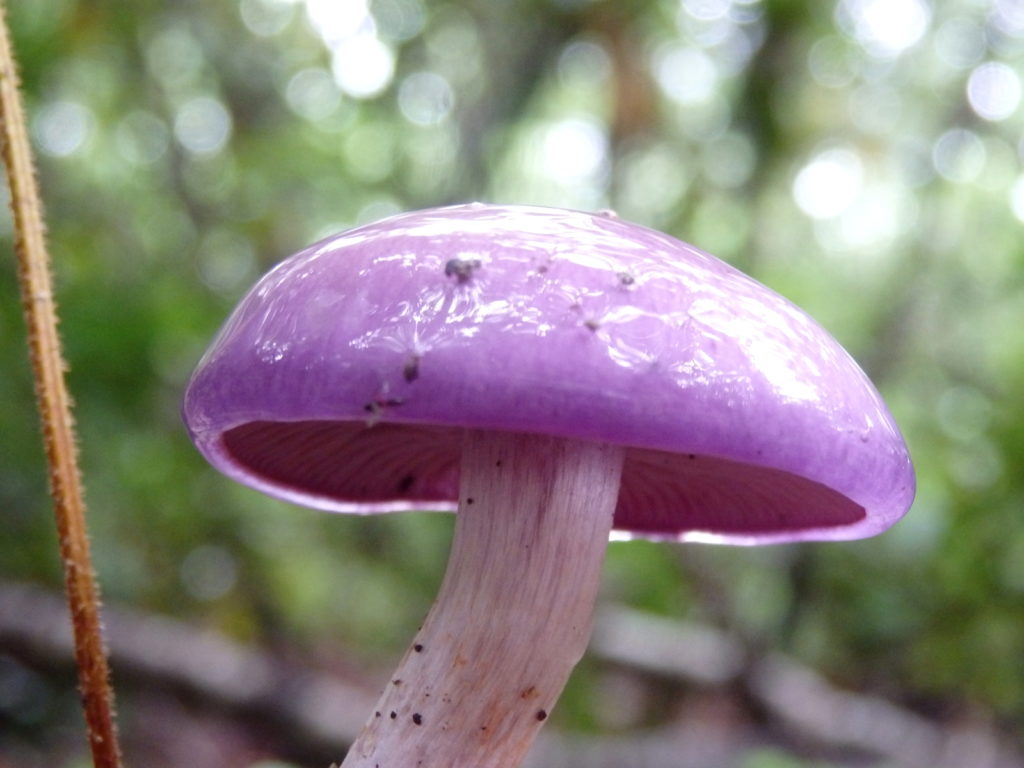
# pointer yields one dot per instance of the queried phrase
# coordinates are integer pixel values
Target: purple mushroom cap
(345, 378)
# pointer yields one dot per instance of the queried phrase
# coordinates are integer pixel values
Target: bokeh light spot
(62, 128)
(313, 94)
(829, 183)
(959, 155)
(573, 150)
(202, 125)
(885, 28)
(583, 61)
(1008, 17)
(707, 10)
(1017, 198)
(399, 19)
(686, 75)
(960, 42)
(209, 572)
(425, 98)
(994, 91)
(363, 65)
(265, 18)
(336, 21)
(225, 260)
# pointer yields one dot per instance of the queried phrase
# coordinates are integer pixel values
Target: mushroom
(556, 377)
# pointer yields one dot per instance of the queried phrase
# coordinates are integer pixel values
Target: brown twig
(55, 412)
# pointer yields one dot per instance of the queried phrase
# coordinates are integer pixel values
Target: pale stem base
(514, 612)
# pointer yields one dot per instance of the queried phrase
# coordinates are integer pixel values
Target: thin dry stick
(55, 413)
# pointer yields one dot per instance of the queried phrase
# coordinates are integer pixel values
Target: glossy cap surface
(345, 378)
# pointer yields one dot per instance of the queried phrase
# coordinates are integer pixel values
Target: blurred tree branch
(323, 714)
(150, 650)
(795, 695)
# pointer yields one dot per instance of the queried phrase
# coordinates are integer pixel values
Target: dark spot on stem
(542, 715)
(396, 682)
(406, 483)
(393, 715)
(418, 648)
(417, 718)
(626, 279)
(469, 500)
(592, 324)
(376, 714)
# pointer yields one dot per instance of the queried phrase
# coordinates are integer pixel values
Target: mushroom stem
(514, 612)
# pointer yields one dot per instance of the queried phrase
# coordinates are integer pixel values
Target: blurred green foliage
(863, 158)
